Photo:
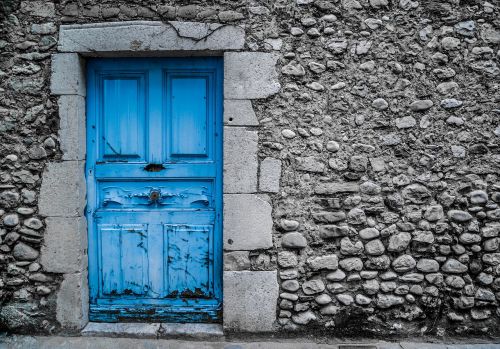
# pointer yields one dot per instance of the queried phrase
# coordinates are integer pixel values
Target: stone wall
(380, 157)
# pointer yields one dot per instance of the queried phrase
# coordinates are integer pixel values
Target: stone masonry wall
(380, 156)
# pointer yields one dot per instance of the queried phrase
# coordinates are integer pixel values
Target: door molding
(247, 76)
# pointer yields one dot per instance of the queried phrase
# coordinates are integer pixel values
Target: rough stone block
(270, 174)
(335, 188)
(63, 190)
(137, 36)
(247, 222)
(68, 75)
(72, 135)
(133, 330)
(250, 75)
(237, 260)
(72, 301)
(240, 160)
(239, 112)
(38, 8)
(250, 299)
(190, 330)
(64, 243)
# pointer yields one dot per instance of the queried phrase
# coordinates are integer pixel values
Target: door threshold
(153, 330)
(191, 330)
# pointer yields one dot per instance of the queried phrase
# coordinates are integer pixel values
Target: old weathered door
(154, 179)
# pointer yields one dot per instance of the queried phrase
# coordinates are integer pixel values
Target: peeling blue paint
(154, 178)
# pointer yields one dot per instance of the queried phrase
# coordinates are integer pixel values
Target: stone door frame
(249, 297)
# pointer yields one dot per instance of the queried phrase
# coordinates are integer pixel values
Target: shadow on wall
(8, 6)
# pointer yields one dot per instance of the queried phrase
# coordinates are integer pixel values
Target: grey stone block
(190, 330)
(240, 160)
(247, 222)
(149, 36)
(250, 75)
(72, 135)
(237, 260)
(250, 299)
(64, 243)
(72, 301)
(239, 112)
(63, 190)
(270, 174)
(38, 8)
(134, 330)
(68, 75)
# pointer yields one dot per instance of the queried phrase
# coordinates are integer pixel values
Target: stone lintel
(247, 222)
(250, 300)
(150, 36)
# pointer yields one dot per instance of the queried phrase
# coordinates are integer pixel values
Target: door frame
(247, 210)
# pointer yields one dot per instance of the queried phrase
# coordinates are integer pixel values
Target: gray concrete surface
(28, 342)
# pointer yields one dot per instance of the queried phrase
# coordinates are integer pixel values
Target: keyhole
(154, 195)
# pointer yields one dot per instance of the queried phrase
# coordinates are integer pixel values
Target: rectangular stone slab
(250, 75)
(240, 160)
(68, 75)
(248, 222)
(140, 36)
(134, 330)
(72, 302)
(63, 190)
(72, 134)
(250, 298)
(64, 244)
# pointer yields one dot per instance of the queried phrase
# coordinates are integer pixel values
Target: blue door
(154, 180)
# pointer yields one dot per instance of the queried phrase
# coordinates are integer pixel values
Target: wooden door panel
(123, 128)
(189, 260)
(172, 194)
(124, 259)
(154, 169)
(189, 116)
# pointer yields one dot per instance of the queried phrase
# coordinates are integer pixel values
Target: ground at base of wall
(18, 342)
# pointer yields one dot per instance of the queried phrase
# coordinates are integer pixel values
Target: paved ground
(26, 342)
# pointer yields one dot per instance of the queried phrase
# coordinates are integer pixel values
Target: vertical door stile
(217, 91)
(155, 111)
(91, 129)
(157, 283)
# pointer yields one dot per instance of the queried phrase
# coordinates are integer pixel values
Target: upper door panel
(189, 117)
(123, 132)
(172, 123)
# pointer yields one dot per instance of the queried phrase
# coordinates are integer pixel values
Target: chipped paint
(155, 251)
